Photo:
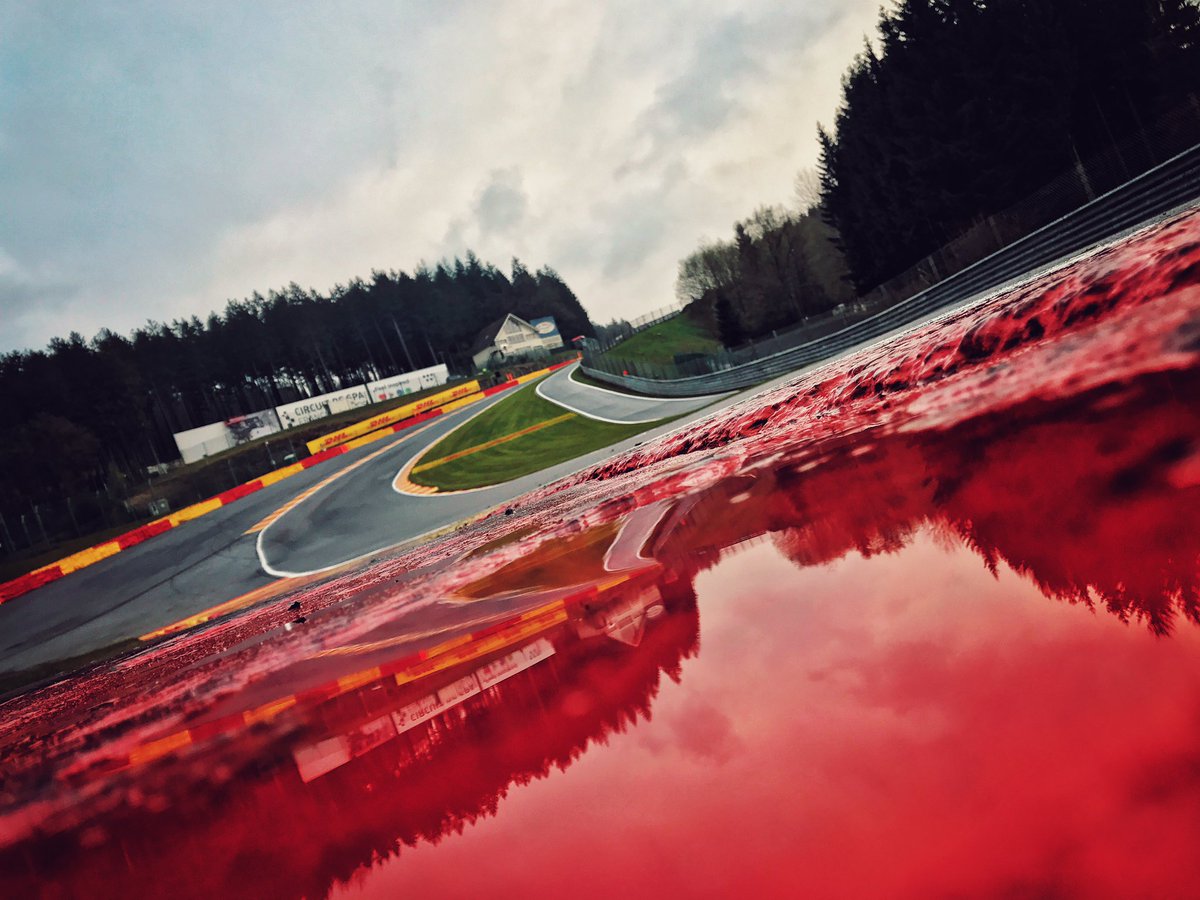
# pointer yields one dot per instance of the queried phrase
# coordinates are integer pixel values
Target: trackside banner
(391, 417)
(314, 408)
(407, 383)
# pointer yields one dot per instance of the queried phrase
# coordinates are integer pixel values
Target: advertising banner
(244, 429)
(304, 411)
(407, 383)
(393, 416)
(547, 329)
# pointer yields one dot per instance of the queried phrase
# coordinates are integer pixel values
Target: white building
(513, 338)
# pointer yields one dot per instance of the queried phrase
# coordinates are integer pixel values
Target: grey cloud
(638, 224)
(165, 157)
(136, 135)
(725, 63)
(640, 231)
(703, 98)
(502, 204)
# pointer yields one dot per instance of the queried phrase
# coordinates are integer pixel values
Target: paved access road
(612, 406)
(351, 511)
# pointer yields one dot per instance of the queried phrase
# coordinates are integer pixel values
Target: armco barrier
(1172, 185)
(392, 416)
(92, 555)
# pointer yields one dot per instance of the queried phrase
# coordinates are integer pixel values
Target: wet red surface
(921, 623)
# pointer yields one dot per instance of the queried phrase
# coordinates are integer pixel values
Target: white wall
(197, 443)
(304, 411)
(408, 383)
(207, 440)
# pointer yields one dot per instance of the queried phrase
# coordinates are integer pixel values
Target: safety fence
(92, 555)
(1170, 185)
(618, 332)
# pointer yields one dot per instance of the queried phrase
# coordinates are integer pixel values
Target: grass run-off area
(550, 442)
(660, 343)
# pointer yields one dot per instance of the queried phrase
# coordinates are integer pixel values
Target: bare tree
(807, 190)
(713, 267)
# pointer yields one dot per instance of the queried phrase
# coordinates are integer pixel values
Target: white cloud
(604, 140)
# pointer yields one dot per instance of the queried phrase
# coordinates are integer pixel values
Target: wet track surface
(364, 514)
(921, 623)
(213, 560)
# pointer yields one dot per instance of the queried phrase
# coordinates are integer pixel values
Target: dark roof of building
(487, 336)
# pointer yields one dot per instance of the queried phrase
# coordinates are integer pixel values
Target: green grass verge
(521, 456)
(660, 343)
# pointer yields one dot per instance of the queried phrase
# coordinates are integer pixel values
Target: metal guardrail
(1171, 185)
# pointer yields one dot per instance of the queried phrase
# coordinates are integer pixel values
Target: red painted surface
(891, 630)
(144, 533)
(417, 419)
(26, 583)
(242, 490)
(499, 388)
(317, 458)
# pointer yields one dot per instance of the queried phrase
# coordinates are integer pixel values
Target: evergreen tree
(967, 106)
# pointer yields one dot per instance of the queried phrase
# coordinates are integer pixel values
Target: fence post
(74, 521)
(37, 514)
(10, 546)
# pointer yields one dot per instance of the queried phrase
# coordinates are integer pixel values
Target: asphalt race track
(363, 513)
(212, 559)
(612, 406)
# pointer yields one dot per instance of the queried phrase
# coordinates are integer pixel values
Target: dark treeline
(82, 414)
(967, 106)
(958, 110)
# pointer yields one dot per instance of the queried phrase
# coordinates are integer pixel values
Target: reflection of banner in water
(393, 787)
(315, 760)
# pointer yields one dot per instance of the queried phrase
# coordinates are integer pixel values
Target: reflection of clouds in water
(883, 677)
(704, 731)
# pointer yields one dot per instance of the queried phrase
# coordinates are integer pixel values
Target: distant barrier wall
(1172, 185)
(207, 440)
(392, 416)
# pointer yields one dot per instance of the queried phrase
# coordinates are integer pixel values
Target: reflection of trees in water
(271, 834)
(1093, 503)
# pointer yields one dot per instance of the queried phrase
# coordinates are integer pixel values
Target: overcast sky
(158, 159)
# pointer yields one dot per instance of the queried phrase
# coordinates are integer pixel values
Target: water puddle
(922, 623)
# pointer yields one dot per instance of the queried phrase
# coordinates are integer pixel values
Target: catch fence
(1085, 206)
